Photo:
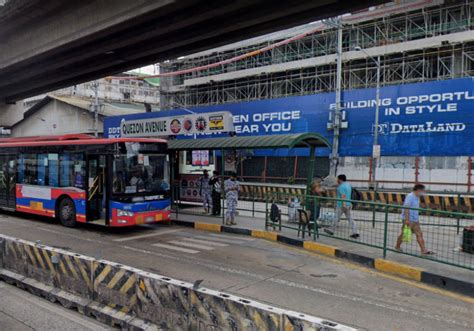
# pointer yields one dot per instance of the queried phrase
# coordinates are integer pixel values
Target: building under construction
(425, 53)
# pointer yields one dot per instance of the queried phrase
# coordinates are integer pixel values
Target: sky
(148, 70)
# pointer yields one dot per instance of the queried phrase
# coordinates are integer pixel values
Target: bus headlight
(121, 212)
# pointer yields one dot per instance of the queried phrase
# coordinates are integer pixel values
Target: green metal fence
(378, 226)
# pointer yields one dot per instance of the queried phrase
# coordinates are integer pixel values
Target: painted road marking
(356, 299)
(186, 244)
(175, 248)
(157, 233)
(222, 240)
(230, 237)
(205, 242)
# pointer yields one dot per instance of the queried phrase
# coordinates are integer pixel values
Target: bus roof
(70, 139)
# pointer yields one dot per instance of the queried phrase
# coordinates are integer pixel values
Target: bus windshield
(140, 174)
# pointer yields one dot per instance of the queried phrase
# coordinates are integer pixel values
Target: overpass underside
(46, 45)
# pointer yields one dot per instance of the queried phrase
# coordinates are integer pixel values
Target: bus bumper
(138, 218)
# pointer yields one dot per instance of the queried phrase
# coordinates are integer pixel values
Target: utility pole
(375, 146)
(337, 111)
(95, 107)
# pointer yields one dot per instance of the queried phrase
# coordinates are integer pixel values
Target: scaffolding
(445, 60)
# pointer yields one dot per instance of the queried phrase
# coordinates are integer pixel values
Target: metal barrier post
(266, 212)
(279, 223)
(223, 186)
(223, 208)
(174, 199)
(253, 205)
(385, 232)
(373, 209)
(315, 218)
(457, 219)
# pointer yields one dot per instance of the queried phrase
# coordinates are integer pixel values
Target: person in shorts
(411, 218)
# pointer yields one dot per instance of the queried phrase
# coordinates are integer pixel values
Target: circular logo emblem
(201, 124)
(187, 125)
(175, 126)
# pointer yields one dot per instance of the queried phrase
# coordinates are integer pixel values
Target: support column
(222, 185)
(371, 160)
(312, 161)
(469, 174)
(337, 110)
(295, 168)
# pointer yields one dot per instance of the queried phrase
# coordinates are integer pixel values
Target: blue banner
(429, 119)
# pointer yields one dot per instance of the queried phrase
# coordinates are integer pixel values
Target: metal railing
(379, 225)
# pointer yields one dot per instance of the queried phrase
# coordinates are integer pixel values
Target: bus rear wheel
(67, 212)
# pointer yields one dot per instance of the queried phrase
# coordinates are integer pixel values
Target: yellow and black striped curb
(387, 266)
(133, 299)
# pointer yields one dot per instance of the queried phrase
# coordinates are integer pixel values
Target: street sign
(178, 125)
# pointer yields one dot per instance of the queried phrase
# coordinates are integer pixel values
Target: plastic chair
(303, 222)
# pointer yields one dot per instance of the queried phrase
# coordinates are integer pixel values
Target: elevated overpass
(46, 45)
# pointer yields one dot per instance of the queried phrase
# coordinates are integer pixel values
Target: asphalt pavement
(261, 270)
(22, 311)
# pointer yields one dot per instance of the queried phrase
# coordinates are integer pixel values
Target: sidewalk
(448, 277)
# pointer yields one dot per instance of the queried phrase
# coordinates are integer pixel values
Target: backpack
(355, 195)
(275, 213)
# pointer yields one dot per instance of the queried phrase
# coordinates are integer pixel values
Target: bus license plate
(149, 219)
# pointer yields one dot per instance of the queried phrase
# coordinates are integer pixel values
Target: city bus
(81, 179)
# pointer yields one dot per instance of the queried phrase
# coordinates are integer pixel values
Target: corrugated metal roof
(255, 142)
(106, 109)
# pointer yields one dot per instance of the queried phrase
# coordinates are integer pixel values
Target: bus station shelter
(280, 141)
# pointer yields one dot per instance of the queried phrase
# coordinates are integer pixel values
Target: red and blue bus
(81, 179)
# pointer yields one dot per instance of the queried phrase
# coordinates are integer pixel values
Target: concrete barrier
(137, 300)
(54, 267)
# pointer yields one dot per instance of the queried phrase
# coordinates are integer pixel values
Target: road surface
(22, 311)
(261, 270)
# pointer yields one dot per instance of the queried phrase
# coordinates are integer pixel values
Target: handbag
(406, 238)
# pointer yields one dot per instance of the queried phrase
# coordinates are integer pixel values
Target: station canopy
(299, 140)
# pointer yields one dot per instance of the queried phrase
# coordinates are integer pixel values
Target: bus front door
(8, 181)
(96, 187)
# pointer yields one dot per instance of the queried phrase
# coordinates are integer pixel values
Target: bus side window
(21, 169)
(27, 171)
(43, 165)
(72, 170)
(53, 162)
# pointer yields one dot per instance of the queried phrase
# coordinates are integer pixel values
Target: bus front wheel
(67, 212)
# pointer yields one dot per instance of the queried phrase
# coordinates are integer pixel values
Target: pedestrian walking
(205, 191)
(215, 183)
(231, 187)
(344, 192)
(411, 218)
